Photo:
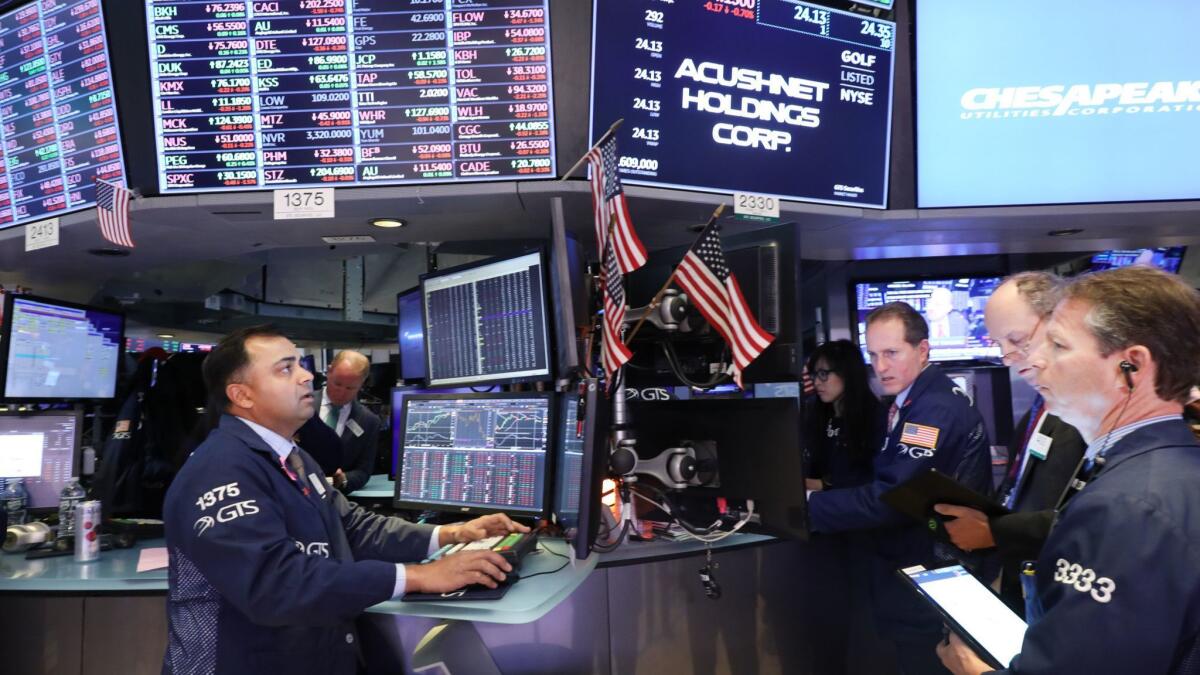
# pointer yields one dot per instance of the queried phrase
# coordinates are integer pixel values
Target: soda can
(87, 535)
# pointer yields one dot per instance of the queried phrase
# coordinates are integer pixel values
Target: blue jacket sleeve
(377, 537)
(1108, 607)
(231, 527)
(861, 507)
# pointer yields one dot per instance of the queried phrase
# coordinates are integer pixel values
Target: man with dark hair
(930, 425)
(1045, 452)
(1118, 582)
(268, 566)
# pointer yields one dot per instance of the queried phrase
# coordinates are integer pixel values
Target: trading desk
(641, 608)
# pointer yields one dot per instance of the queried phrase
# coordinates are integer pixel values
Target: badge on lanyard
(1039, 445)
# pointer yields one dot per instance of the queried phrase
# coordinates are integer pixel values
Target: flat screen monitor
(398, 394)
(1165, 258)
(410, 333)
(42, 448)
(581, 465)
(1028, 102)
(265, 95)
(54, 350)
(476, 453)
(58, 116)
(796, 96)
(486, 322)
(952, 307)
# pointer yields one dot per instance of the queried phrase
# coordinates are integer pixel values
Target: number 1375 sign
(304, 203)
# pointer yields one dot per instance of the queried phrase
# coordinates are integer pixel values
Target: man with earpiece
(1118, 581)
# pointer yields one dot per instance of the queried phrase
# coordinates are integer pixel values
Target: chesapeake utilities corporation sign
(1059, 100)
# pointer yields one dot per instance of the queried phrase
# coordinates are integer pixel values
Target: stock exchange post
(764, 96)
(350, 92)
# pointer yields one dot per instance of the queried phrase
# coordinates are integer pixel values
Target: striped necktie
(893, 414)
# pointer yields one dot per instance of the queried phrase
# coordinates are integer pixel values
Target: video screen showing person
(1166, 258)
(952, 307)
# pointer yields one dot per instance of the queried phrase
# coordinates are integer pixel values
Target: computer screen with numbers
(486, 323)
(58, 116)
(41, 448)
(258, 95)
(51, 350)
(475, 453)
(797, 96)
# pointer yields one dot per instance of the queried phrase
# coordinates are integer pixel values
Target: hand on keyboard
(451, 573)
(482, 544)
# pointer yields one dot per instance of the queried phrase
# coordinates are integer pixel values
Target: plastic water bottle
(72, 494)
(15, 497)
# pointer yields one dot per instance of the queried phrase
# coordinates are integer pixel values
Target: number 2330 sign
(304, 203)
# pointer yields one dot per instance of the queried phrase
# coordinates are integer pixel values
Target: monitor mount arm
(669, 315)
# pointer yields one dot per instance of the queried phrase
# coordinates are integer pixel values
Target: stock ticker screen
(58, 117)
(797, 97)
(255, 95)
(475, 452)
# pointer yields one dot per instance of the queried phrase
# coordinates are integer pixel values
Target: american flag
(706, 277)
(613, 352)
(919, 434)
(112, 207)
(608, 199)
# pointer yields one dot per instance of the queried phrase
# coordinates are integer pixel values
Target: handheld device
(972, 610)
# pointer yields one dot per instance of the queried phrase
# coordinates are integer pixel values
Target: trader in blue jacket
(269, 566)
(930, 425)
(1119, 578)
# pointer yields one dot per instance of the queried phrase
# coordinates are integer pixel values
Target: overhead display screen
(58, 119)
(1088, 109)
(764, 96)
(253, 95)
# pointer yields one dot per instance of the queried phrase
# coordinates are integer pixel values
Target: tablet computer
(916, 497)
(972, 610)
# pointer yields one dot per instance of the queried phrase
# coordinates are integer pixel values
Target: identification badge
(1039, 445)
(354, 427)
(318, 483)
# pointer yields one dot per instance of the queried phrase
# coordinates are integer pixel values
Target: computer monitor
(476, 453)
(757, 446)
(486, 322)
(581, 456)
(1166, 258)
(43, 449)
(52, 350)
(952, 307)
(398, 394)
(410, 333)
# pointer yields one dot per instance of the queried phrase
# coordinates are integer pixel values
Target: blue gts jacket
(937, 428)
(267, 576)
(1119, 577)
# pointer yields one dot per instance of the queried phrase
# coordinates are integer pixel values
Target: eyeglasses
(822, 374)
(1020, 347)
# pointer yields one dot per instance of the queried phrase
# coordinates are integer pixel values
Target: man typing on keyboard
(269, 566)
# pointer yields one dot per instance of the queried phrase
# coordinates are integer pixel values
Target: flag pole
(658, 296)
(611, 130)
